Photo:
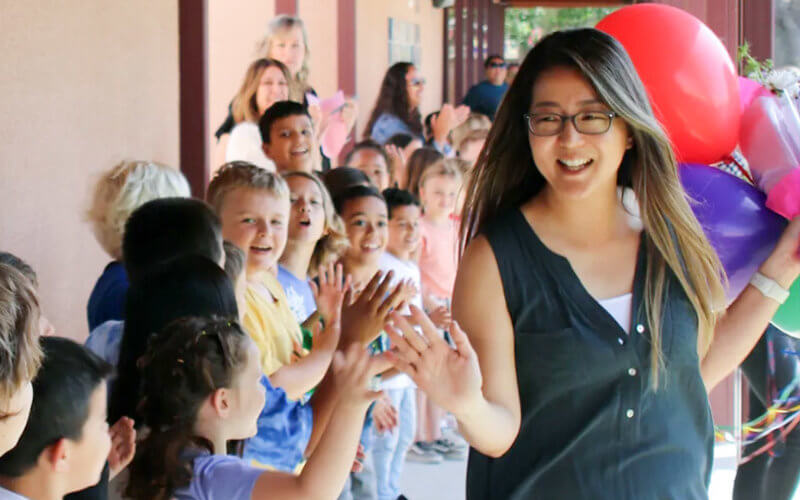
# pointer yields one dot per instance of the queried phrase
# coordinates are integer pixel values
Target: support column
(193, 62)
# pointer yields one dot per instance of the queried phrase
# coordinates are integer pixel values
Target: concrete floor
(445, 481)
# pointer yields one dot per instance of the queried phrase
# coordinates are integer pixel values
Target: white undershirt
(620, 309)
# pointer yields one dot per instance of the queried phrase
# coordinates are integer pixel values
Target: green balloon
(788, 316)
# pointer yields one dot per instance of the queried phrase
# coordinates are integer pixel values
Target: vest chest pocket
(553, 363)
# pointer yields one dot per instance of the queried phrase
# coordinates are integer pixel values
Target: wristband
(769, 288)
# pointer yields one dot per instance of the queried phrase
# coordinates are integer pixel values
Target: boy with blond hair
(253, 205)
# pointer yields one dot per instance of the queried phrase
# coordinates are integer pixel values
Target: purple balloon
(735, 219)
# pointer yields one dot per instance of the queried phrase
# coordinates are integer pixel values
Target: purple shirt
(219, 477)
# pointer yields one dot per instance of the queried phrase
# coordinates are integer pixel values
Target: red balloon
(689, 75)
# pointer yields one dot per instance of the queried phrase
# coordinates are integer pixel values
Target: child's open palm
(330, 292)
(364, 317)
(451, 377)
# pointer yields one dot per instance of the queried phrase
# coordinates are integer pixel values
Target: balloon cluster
(707, 112)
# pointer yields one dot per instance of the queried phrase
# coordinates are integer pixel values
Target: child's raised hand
(397, 164)
(450, 377)
(353, 370)
(330, 292)
(349, 113)
(364, 317)
(123, 445)
(441, 317)
(384, 414)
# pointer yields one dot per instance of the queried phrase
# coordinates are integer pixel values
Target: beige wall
(372, 53)
(319, 17)
(234, 29)
(85, 84)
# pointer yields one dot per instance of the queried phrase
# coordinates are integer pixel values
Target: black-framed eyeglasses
(497, 65)
(585, 122)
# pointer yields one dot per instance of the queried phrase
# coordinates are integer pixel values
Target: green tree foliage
(525, 27)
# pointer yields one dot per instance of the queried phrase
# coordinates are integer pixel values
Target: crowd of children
(291, 335)
(237, 343)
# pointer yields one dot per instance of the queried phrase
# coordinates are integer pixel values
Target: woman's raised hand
(451, 377)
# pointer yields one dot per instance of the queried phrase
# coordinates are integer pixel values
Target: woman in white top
(265, 83)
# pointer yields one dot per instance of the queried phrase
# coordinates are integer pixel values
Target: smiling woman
(554, 271)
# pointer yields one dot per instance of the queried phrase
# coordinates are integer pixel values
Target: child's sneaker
(455, 438)
(449, 450)
(423, 453)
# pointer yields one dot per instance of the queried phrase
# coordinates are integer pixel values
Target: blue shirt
(284, 428)
(107, 300)
(219, 477)
(485, 98)
(105, 340)
(299, 294)
(388, 125)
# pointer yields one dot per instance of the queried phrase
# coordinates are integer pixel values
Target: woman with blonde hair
(265, 83)
(118, 192)
(316, 238)
(598, 332)
(286, 40)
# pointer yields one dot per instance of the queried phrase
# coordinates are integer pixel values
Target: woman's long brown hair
(505, 176)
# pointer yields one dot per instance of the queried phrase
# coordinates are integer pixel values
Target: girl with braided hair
(201, 388)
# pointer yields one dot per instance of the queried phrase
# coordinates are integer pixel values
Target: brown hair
(20, 353)
(393, 99)
(244, 106)
(238, 174)
(418, 162)
(185, 363)
(334, 240)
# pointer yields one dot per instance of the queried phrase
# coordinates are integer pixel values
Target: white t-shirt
(403, 270)
(620, 309)
(244, 144)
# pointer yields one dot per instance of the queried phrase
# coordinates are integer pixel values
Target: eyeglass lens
(588, 122)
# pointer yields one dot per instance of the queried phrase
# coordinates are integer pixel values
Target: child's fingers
(407, 347)
(348, 296)
(402, 365)
(339, 277)
(378, 364)
(383, 289)
(428, 328)
(369, 290)
(391, 302)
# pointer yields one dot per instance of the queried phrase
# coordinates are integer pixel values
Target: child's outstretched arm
(326, 471)
(303, 375)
